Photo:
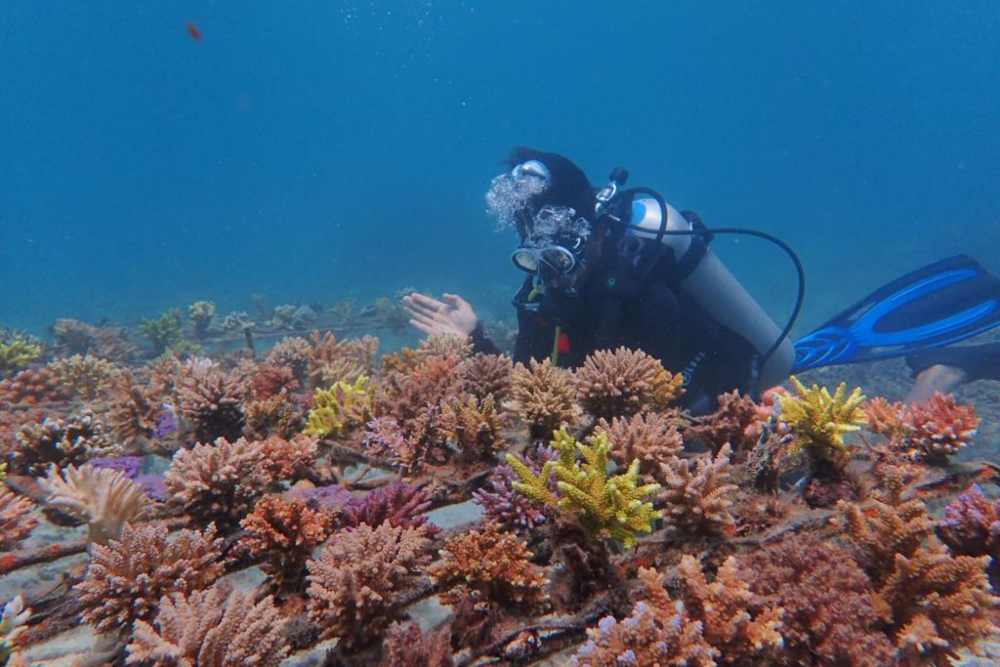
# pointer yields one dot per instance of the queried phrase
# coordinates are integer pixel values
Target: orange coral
(33, 386)
(284, 532)
(15, 520)
(355, 581)
(293, 353)
(270, 380)
(881, 531)
(288, 459)
(487, 375)
(491, 566)
(697, 494)
(623, 382)
(212, 628)
(883, 417)
(127, 578)
(652, 438)
(543, 396)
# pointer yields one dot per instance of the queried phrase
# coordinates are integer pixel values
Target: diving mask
(552, 242)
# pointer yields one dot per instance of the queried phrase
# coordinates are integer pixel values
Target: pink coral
(939, 427)
(399, 503)
(16, 522)
(623, 382)
(506, 507)
(971, 525)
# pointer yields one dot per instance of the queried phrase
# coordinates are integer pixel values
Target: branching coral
(332, 361)
(87, 376)
(133, 411)
(624, 382)
(881, 531)
(293, 353)
(272, 417)
(284, 533)
(401, 504)
(651, 438)
(106, 499)
(492, 567)
(76, 337)
(212, 399)
(406, 646)
(211, 628)
(820, 421)
(658, 632)
(735, 421)
(829, 614)
(288, 459)
(61, 441)
(17, 352)
(971, 525)
(474, 427)
(201, 314)
(884, 418)
(504, 506)
(543, 395)
(16, 522)
(487, 375)
(33, 386)
(270, 380)
(126, 579)
(613, 507)
(163, 332)
(355, 581)
(12, 623)
(219, 482)
(939, 427)
(339, 408)
(697, 494)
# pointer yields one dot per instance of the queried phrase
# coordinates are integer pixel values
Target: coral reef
(504, 506)
(201, 313)
(68, 441)
(17, 352)
(12, 624)
(211, 628)
(331, 361)
(284, 533)
(16, 522)
(212, 399)
(492, 567)
(697, 494)
(474, 426)
(400, 504)
(133, 412)
(163, 332)
(623, 382)
(355, 580)
(543, 395)
(87, 376)
(293, 353)
(406, 646)
(651, 438)
(33, 386)
(938, 428)
(612, 507)
(819, 423)
(341, 407)
(126, 579)
(219, 482)
(485, 375)
(106, 499)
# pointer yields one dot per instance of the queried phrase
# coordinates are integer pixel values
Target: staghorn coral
(819, 422)
(12, 623)
(504, 506)
(623, 382)
(133, 411)
(126, 579)
(735, 421)
(612, 507)
(971, 525)
(543, 395)
(201, 313)
(33, 386)
(474, 427)
(17, 352)
(697, 494)
(485, 375)
(219, 482)
(401, 504)
(355, 581)
(106, 499)
(270, 380)
(211, 628)
(829, 615)
(288, 459)
(492, 567)
(658, 632)
(68, 441)
(76, 337)
(884, 418)
(938, 428)
(339, 408)
(293, 353)
(273, 417)
(405, 645)
(163, 332)
(881, 530)
(212, 399)
(332, 361)
(87, 376)
(16, 522)
(651, 438)
(445, 345)
(284, 533)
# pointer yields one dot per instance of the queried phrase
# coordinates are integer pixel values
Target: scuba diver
(616, 266)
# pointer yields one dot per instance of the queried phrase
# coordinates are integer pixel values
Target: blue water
(312, 151)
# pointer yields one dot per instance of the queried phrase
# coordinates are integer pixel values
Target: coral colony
(246, 508)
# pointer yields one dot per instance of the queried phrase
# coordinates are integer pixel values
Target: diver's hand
(451, 316)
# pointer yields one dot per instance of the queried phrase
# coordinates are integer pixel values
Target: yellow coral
(820, 421)
(18, 352)
(612, 507)
(343, 405)
(3, 471)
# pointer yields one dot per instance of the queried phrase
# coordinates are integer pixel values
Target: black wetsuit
(616, 308)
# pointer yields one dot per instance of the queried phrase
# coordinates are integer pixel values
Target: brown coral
(87, 376)
(406, 646)
(735, 421)
(881, 531)
(332, 361)
(211, 628)
(473, 426)
(289, 459)
(543, 395)
(624, 382)
(293, 353)
(270, 380)
(284, 533)
(106, 499)
(653, 438)
(126, 579)
(487, 375)
(212, 399)
(133, 410)
(33, 386)
(355, 582)
(16, 522)
(275, 416)
(219, 482)
(697, 494)
(68, 441)
(491, 566)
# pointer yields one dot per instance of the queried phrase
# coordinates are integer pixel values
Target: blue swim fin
(937, 305)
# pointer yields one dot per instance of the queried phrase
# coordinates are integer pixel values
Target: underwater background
(315, 151)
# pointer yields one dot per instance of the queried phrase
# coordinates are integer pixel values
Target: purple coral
(128, 465)
(166, 422)
(332, 496)
(502, 504)
(971, 524)
(399, 503)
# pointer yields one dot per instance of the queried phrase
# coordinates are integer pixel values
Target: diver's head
(551, 204)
